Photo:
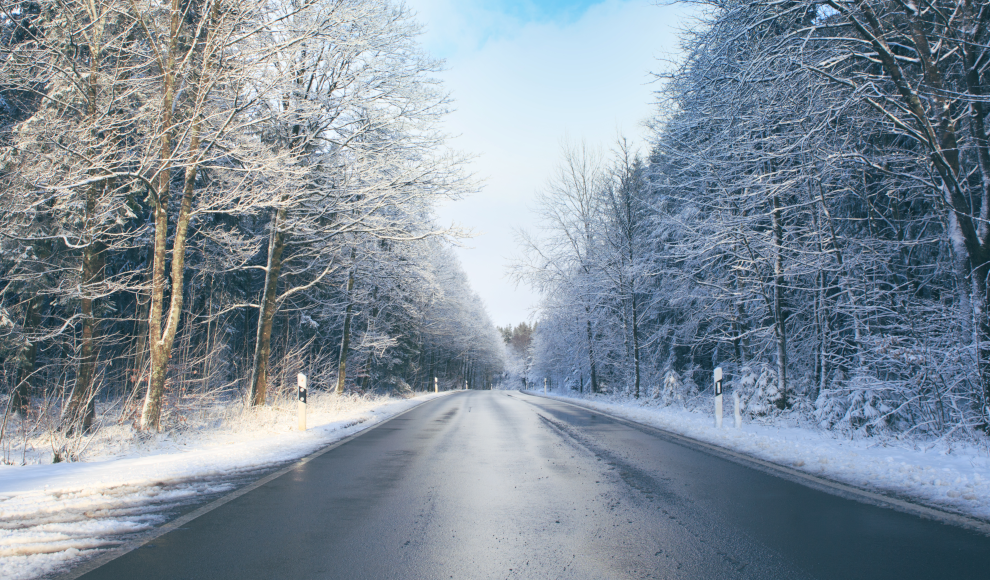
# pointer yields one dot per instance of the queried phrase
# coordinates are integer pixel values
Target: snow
(950, 476)
(54, 515)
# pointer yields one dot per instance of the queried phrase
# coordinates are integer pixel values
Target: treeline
(813, 216)
(518, 354)
(201, 198)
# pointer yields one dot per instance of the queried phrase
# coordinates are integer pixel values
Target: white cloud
(519, 89)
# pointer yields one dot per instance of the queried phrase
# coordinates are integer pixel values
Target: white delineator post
(718, 398)
(301, 378)
(544, 385)
(735, 397)
(436, 385)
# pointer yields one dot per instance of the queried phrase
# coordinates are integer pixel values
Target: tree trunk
(366, 382)
(843, 283)
(346, 340)
(635, 336)
(778, 299)
(635, 314)
(160, 339)
(591, 353)
(981, 328)
(821, 321)
(266, 314)
(141, 354)
(81, 410)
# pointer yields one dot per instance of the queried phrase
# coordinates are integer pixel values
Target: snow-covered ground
(54, 515)
(952, 476)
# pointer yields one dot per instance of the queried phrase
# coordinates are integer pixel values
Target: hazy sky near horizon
(526, 76)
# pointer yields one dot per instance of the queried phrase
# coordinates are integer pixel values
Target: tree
(357, 113)
(567, 257)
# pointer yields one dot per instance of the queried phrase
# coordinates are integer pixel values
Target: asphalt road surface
(494, 484)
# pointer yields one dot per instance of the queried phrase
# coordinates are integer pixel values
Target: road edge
(92, 564)
(832, 486)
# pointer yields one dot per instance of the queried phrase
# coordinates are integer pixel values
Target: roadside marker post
(436, 385)
(301, 378)
(544, 385)
(735, 397)
(718, 398)
(465, 385)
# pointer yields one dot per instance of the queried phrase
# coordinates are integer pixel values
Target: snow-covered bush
(668, 388)
(674, 388)
(856, 406)
(759, 394)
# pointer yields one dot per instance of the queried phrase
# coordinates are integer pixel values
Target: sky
(526, 76)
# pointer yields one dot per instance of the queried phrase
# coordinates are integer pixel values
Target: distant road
(494, 484)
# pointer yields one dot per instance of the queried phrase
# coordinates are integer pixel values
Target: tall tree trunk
(635, 337)
(780, 330)
(81, 409)
(823, 338)
(152, 410)
(634, 304)
(161, 339)
(821, 331)
(739, 341)
(981, 328)
(366, 381)
(266, 314)
(140, 359)
(591, 352)
(345, 342)
(843, 281)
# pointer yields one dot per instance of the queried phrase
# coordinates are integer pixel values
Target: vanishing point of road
(496, 484)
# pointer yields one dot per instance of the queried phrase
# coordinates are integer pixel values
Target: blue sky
(526, 75)
(458, 27)
(518, 13)
(542, 10)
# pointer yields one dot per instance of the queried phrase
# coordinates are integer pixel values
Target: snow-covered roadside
(951, 476)
(56, 514)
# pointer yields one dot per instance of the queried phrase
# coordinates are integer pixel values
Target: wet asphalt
(495, 484)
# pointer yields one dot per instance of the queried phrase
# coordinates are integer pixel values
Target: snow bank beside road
(952, 476)
(54, 515)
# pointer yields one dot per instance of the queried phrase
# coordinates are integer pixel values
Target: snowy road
(507, 485)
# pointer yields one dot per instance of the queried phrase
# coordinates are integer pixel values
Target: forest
(200, 199)
(811, 216)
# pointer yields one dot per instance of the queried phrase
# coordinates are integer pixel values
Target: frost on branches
(812, 216)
